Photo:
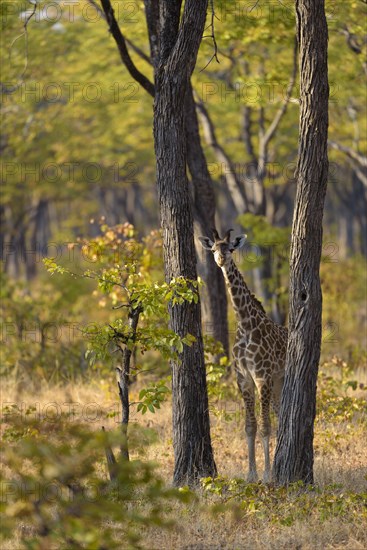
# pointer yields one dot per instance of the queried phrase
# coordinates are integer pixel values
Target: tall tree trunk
(294, 452)
(178, 51)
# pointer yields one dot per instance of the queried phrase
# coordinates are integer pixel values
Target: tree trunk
(123, 381)
(178, 51)
(39, 239)
(294, 453)
(360, 205)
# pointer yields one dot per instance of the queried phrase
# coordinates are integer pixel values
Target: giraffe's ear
(206, 243)
(238, 242)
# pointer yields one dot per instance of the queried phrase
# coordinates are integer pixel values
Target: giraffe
(259, 350)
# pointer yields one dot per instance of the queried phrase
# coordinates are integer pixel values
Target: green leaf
(163, 389)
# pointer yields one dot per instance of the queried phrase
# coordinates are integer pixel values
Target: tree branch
(152, 22)
(269, 134)
(169, 21)
(137, 50)
(266, 135)
(181, 60)
(28, 16)
(97, 8)
(357, 157)
(246, 125)
(362, 176)
(124, 53)
(234, 185)
(212, 36)
(246, 133)
(352, 40)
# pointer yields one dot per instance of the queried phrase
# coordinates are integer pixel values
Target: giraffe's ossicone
(259, 350)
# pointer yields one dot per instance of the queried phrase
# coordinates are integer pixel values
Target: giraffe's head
(222, 248)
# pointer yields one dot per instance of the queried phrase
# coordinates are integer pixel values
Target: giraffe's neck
(243, 305)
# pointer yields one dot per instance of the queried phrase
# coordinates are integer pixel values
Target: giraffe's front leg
(247, 389)
(265, 390)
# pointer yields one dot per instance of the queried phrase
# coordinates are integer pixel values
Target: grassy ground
(229, 513)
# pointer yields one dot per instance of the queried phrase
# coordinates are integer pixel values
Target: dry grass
(340, 458)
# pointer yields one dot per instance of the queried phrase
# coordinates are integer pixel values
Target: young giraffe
(259, 350)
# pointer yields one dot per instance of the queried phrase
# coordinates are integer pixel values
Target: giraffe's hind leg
(247, 388)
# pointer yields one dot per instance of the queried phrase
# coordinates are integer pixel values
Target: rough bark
(294, 453)
(178, 52)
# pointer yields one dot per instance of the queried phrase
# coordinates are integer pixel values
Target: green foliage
(39, 326)
(345, 85)
(124, 274)
(336, 400)
(51, 125)
(219, 386)
(57, 489)
(344, 320)
(151, 397)
(56, 493)
(263, 232)
(283, 505)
